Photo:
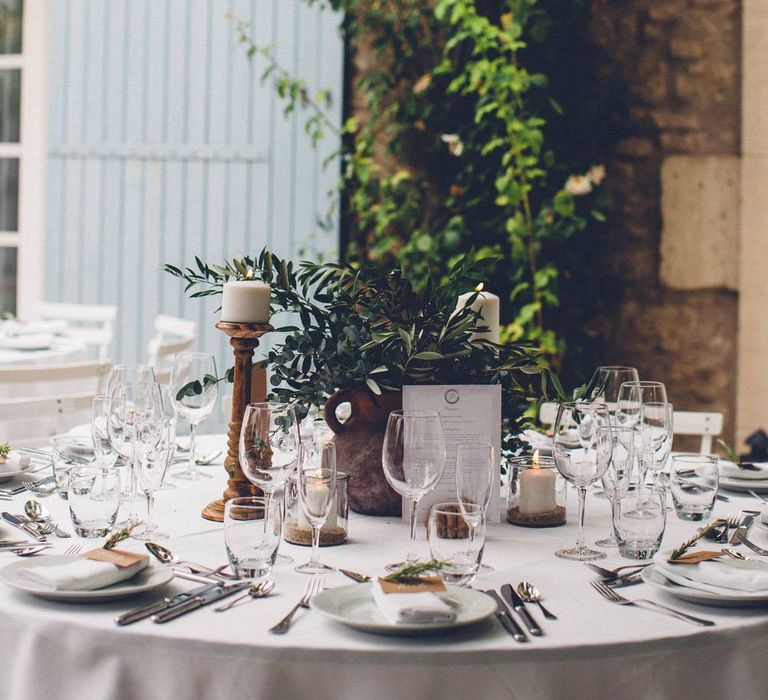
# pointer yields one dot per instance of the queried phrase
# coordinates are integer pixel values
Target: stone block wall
(674, 182)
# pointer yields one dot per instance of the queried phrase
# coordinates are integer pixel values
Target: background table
(595, 650)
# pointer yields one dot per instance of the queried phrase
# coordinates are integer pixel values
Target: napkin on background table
(14, 461)
(422, 607)
(81, 575)
(731, 471)
(721, 576)
(14, 328)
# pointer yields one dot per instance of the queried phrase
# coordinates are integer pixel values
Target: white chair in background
(94, 324)
(172, 336)
(34, 380)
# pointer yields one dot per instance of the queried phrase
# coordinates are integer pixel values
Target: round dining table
(594, 650)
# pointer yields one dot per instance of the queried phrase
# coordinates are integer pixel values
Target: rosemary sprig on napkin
(701, 532)
(120, 535)
(411, 573)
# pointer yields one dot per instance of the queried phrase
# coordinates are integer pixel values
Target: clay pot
(358, 448)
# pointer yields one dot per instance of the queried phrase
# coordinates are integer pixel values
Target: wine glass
(617, 477)
(413, 457)
(129, 373)
(129, 404)
(582, 448)
(269, 447)
(476, 470)
(656, 429)
(106, 455)
(199, 367)
(607, 381)
(632, 396)
(317, 486)
(155, 444)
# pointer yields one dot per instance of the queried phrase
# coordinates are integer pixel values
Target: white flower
(455, 146)
(578, 185)
(596, 174)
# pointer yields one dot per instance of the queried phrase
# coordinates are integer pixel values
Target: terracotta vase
(358, 448)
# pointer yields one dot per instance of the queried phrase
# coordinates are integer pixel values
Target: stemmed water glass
(317, 486)
(129, 404)
(617, 478)
(656, 429)
(476, 470)
(155, 444)
(606, 382)
(106, 455)
(269, 447)
(629, 406)
(413, 457)
(582, 448)
(191, 367)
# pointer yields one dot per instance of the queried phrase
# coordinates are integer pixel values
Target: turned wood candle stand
(244, 339)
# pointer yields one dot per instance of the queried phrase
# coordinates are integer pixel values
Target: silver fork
(615, 597)
(314, 585)
(73, 549)
(732, 522)
(38, 489)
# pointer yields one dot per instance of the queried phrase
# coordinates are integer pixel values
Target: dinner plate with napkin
(14, 464)
(722, 576)
(757, 471)
(96, 575)
(405, 606)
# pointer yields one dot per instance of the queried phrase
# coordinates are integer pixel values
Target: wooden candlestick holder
(244, 339)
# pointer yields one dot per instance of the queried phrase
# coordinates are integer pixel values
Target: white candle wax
(318, 491)
(488, 306)
(537, 491)
(245, 301)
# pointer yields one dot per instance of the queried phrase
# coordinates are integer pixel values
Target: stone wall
(674, 182)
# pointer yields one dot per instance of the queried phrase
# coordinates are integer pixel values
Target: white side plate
(731, 600)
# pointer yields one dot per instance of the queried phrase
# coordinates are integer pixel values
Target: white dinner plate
(735, 599)
(153, 576)
(5, 475)
(744, 485)
(354, 606)
(42, 341)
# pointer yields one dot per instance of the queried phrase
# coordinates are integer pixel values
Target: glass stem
(149, 525)
(192, 466)
(132, 507)
(315, 545)
(582, 501)
(412, 555)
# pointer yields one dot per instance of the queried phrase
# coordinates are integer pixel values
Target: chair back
(35, 420)
(26, 379)
(700, 423)
(172, 336)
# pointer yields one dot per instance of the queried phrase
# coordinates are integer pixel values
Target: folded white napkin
(721, 576)
(423, 607)
(15, 461)
(764, 516)
(81, 575)
(33, 327)
(731, 471)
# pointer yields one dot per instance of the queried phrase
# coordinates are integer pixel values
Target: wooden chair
(172, 336)
(35, 420)
(93, 324)
(703, 424)
(25, 379)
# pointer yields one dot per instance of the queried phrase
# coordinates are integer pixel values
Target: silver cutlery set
(514, 600)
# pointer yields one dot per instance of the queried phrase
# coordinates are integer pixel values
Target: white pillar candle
(488, 306)
(537, 489)
(318, 491)
(245, 301)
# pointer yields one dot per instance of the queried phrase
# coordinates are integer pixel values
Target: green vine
(451, 153)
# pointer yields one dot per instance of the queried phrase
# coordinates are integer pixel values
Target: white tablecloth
(595, 650)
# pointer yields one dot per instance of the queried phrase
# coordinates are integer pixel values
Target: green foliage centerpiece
(372, 332)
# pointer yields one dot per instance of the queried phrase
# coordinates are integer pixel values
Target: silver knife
(517, 604)
(201, 599)
(742, 530)
(23, 526)
(506, 620)
(167, 602)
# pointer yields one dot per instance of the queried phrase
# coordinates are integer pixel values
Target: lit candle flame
(479, 287)
(536, 459)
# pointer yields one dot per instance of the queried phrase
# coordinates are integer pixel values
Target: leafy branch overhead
(364, 327)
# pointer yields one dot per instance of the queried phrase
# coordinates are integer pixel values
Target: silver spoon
(530, 594)
(38, 513)
(258, 590)
(166, 556)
